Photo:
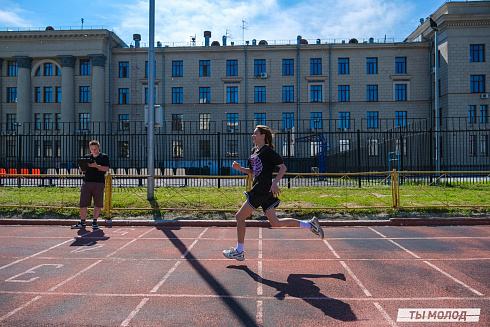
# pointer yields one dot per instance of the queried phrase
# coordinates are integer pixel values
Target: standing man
(93, 185)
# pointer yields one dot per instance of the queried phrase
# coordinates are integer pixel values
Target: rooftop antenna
(243, 30)
(193, 40)
(82, 23)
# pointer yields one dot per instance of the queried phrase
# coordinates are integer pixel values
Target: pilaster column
(98, 89)
(67, 91)
(24, 89)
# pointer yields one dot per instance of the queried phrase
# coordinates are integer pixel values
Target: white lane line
(395, 243)
(331, 249)
(134, 312)
(259, 318)
(35, 254)
(19, 308)
(385, 314)
(167, 275)
(74, 276)
(260, 290)
(364, 289)
(454, 278)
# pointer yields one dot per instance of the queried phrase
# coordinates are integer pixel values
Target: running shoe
(316, 228)
(94, 225)
(232, 253)
(80, 225)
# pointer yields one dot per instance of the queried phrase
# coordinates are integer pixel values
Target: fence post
(395, 190)
(108, 195)
(359, 156)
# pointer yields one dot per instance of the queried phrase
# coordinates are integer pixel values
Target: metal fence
(209, 148)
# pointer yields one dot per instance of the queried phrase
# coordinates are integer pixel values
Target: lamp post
(434, 27)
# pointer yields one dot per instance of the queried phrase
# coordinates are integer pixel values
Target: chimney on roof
(207, 36)
(136, 39)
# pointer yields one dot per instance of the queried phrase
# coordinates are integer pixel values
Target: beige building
(90, 84)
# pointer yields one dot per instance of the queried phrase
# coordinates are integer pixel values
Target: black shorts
(266, 201)
(92, 190)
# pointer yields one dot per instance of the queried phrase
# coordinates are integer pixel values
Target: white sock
(239, 247)
(304, 224)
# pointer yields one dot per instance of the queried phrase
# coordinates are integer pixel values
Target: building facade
(59, 89)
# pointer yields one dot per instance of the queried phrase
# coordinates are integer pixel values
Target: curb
(256, 223)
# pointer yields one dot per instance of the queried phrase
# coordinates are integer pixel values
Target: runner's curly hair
(268, 135)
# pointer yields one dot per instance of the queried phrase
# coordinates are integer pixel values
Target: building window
(123, 149)
(204, 68)
(48, 69)
(259, 94)
(372, 119)
(315, 66)
(12, 68)
(287, 67)
(288, 94)
(204, 120)
(11, 148)
(315, 120)
(473, 146)
(204, 148)
(400, 92)
(48, 121)
(58, 94)
(37, 148)
(344, 95)
(38, 72)
(232, 94)
(344, 120)
(259, 66)
(177, 149)
(483, 114)
(315, 93)
(177, 68)
(232, 148)
(287, 121)
(400, 65)
(484, 145)
(11, 122)
(123, 96)
(48, 94)
(372, 147)
(84, 66)
(259, 119)
(11, 94)
(400, 119)
(57, 148)
(146, 69)
(204, 95)
(124, 122)
(124, 69)
(177, 94)
(477, 53)
(232, 68)
(84, 94)
(37, 95)
(177, 122)
(48, 149)
(372, 93)
(344, 145)
(154, 95)
(477, 83)
(371, 65)
(232, 123)
(472, 114)
(343, 66)
(57, 122)
(37, 122)
(84, 119)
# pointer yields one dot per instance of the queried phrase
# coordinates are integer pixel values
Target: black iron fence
(209, 148)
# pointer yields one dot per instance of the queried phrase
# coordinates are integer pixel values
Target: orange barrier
(24, 171)
(3, 171)
(36, 171)
(12, 171)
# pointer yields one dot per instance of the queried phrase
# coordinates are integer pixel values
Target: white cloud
(12, 19)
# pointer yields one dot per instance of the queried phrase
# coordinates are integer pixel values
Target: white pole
(151, 104)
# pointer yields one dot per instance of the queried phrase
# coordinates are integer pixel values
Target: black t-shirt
(263, 162)
(93, 174)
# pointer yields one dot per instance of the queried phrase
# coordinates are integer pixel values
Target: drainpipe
(297, 82)
(246, 87)
(330, 92)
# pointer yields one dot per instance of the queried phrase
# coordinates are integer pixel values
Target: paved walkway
(177, 276)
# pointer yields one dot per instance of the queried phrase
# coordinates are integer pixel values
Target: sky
(176, 21)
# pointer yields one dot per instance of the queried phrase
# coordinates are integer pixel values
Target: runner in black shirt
(264, 191)
(93, 185)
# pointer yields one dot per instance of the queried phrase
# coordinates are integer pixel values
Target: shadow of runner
(219, 289)
(299, 287)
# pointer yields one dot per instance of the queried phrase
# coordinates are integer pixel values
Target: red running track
(177, 276)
